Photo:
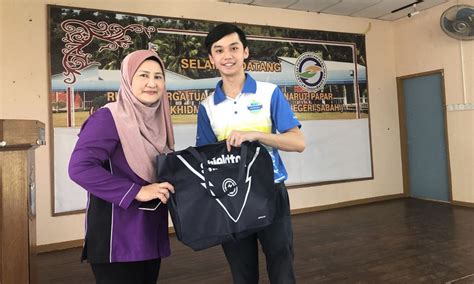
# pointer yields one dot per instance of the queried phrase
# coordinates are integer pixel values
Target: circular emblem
(230, 186)
(310, 71)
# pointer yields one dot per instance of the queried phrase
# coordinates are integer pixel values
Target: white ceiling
(374, 9)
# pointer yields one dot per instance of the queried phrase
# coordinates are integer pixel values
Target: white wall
(24, 90)
(422, 46)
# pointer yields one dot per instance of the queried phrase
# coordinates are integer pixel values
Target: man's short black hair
(221, 31)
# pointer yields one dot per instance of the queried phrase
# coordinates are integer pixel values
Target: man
(242, 109)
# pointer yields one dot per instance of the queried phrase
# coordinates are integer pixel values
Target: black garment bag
(220, 196)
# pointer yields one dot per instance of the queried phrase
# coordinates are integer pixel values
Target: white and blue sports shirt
(260, 106)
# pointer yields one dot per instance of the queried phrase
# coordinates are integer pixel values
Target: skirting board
(70, 244)
(462, 203)
(79, 243)
(346, 204)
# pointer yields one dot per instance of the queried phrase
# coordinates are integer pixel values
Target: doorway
(423, 136)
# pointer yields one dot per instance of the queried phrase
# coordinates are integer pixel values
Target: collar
(250, 87)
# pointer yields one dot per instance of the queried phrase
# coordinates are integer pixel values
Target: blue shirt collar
(250, 87)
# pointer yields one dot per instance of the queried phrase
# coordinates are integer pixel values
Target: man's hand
(155, 190)
(290, 141)
(236, 138)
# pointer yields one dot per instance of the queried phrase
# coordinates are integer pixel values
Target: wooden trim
(369, 118)
(346, 204)
(50, 121)
(403, 136)
(446, 135)
(60, 246)
(73, 244)
(304, 185)
(437, 71)
(463, 204)
(66, 213)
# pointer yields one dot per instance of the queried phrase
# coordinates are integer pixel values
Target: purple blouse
(116, 229)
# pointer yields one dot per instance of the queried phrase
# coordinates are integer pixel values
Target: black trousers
(277, 245)
(139, 272)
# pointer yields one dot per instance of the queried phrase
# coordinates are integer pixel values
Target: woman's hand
(155, 190)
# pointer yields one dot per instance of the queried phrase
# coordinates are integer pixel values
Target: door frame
(403, 130)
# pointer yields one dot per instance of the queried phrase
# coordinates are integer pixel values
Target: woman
(114, 160)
